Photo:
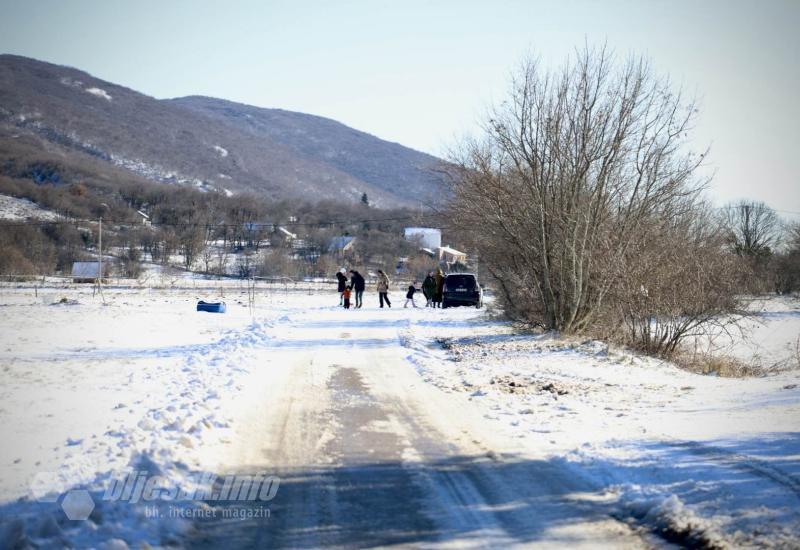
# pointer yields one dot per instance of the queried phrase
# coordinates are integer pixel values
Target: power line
(253, 225)
(737, 206)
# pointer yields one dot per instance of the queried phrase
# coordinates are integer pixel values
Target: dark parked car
(462, 289)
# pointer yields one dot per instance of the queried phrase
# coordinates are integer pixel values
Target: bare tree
(785, 265)
(192, 243)
(278, 263)
(679, 282)
(419, 265)
(754, 228)
(572, 168)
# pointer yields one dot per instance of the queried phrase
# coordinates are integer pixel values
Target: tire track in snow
(759, 467)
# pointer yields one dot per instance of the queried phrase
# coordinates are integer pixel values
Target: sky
(423, 73)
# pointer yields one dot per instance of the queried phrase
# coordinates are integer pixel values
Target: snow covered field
(147, 383)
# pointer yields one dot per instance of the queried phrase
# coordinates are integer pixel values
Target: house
(341, 246)
(254, 227)
(286, 234)
(428, 237)
(145, 217)
(256, 232)
(451, 256)
(87, 272)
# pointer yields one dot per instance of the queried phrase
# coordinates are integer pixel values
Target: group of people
(352, 291)
(347, 290)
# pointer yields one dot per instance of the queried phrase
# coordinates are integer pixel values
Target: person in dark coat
(437, 297)
(412, 289)
(341, 280)
(429, 289)
(359, 284)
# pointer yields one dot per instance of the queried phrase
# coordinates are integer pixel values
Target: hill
(64, 114)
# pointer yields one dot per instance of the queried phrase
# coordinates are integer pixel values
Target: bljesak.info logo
(230, 496)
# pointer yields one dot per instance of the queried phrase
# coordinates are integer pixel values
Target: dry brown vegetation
(585, 204)
(716, 364)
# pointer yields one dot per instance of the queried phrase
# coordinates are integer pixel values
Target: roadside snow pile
(676, 523)
(701, 460)
(12, 208)
(709, 494)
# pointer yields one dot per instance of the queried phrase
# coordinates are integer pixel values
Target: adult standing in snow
(359, 284)
(383, 288)
(437, 296)
(341, 280)
(429, 288)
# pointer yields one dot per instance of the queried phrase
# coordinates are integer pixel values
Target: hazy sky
(422, 72)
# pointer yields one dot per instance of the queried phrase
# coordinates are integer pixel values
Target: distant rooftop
(85, 270)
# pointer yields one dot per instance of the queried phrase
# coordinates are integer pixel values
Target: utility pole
(100, 255)
(100, 259)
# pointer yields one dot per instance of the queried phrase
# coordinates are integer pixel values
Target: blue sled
(211, 307)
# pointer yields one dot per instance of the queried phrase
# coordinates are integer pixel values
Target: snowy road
(369, 455)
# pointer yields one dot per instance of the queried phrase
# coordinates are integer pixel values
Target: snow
(429, 238)
(452, 251)
(676, 449)
(221, 150)
(143, 378)
(99, 92)
(146, 382)
(287, 233)
(142, 168)
(72, 83)
(15, 209)
(768, 340)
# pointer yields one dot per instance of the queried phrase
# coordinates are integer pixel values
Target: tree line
(201, 231)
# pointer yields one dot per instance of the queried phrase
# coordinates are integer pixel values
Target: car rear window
(460, 281)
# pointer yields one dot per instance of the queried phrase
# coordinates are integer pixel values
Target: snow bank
(89, 391)
(699, 460)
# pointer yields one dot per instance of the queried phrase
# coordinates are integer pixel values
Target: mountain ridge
(208, 143)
